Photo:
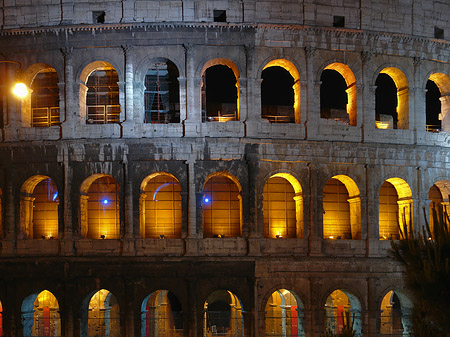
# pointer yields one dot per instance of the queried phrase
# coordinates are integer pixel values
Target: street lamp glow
(20, 90)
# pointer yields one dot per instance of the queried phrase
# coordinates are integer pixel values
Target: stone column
(366, 98)
(417, 113)
(128, 209)
(193, 108)
(129, 79)
(445, 113)
(311, 100)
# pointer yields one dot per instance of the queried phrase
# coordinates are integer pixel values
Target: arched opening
(341, 209)
(395, 317)
(222, 206)
(100, 315)
(280, 92)
(40, 315)
(338, 94)
(102, 96)
(223, 315)
(438, 103)
(284, 315)
(433, 107)
(39, 203)
(99, 208)
(220, 92)
(45, 99)
(160, 204)
(162, 93)
(343, 311)
(436, 203)
(395, 209)
(161, 315)
(283, 207)
(391, 100)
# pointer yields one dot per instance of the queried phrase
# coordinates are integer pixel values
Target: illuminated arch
(401, 83)
(350, 81)
(160, 206)
(230, 64)
(284, 314)
(343, 309)
(161, 315)
(42, 106)
(395, 314)
(442, 81)
(289, 67)
(438, 197)
(99, 102)
(283, 207)
(100, 315)
(395, 208)
(39, 203)
(222, 206)
(342, 209)
(40, 315)
(223, 314)
(99, 207)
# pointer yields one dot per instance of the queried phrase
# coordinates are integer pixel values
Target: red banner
(340, 318)
(294, 321)
(46, 318)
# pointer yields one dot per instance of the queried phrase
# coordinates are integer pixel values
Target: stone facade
(65, 36)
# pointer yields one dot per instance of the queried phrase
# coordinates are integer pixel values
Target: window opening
(161, 315)
(103, 209)
(436, 204)
(338, 21)
(98, 16)
(284, 315)
(333, 96)
(386, 116)
(221, 208)
(162, 101)
(45, 99)
(433, 107)
(223, 315)
(163, 207)
(438, 33)
(102, 97)
(279, 209)
(40, 315)
(45, 210)
(100, 317)
(220, 15)
(219, 95)
(391, 315)
(336, 211)
(277, 95)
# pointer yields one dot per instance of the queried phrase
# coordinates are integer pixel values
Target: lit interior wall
(103, 209)
(232, 66)
(336, 211)
(223, 315)
(161, 206)
(436, 201)
(388, 212)
(287, 65)
(279, 208)
(395, 208)
(391, 315)
(161, 315)
(222, 205)
(401, 82)
(443, 83)
(103, 315)
(38, 208)
(45, 210)
(350, 80)
(283, 315)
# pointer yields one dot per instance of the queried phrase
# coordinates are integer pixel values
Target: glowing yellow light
(382, 125)
(20, 90)
(331, 237)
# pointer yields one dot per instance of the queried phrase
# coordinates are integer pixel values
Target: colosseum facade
(217, 168)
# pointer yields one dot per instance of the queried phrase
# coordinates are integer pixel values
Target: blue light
(55, 196)
(206, 200)
(105, 201)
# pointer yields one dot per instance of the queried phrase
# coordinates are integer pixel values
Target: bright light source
(20, 90)
(206, 200)
(105, 201)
